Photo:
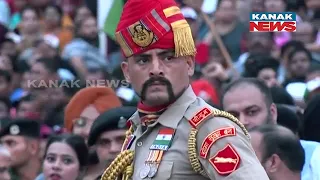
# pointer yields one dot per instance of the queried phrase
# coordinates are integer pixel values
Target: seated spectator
(281, 96)
(263, 67)
(9, 48)
(288, 118)
(28, 107)
(258, 43)
(5, 107)
(308, 34)
(5, 81)
(279, 151)
(299, 61)
(285, 50)
(42, 72)
(53, 25)
(29, 31)
(82, 52)
(65, 157)
(311, 123)
(250, 100)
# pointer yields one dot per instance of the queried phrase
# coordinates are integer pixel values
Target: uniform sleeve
(225, 151)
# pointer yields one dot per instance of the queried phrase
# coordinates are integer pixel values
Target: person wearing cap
(21, 138)
(174, 134)
(107, 134)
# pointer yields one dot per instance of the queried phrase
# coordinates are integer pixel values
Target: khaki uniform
(175, 163)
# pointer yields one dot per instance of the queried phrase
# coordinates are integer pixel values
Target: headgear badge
(152, 24)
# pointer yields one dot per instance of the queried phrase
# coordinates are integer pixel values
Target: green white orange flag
(163, 139)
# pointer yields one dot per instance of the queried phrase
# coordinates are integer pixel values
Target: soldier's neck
(30, 170)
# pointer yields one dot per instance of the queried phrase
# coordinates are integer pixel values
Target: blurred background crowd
(43, 41)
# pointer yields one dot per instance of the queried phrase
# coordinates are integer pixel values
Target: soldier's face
(157, 76)
(247, 103)
(18, 147)
(109, 145)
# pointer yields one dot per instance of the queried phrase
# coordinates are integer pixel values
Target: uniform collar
(174, 113)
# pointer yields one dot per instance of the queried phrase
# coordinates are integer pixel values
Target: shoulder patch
(225, 161)
(200, 117)
(214, 137)
(218, 113)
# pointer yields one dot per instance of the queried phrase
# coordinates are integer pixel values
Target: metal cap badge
(14, 130)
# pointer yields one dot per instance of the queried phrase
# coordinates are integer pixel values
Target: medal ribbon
(157, 149)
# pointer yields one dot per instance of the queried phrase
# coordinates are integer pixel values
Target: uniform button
(139, 144)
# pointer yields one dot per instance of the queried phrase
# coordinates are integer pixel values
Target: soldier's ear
(125, 70)
(191, 65)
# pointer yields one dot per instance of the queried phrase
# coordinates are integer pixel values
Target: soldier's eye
(142, 60)
(169, 58)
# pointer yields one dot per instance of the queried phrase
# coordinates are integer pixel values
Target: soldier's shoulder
(201, 115)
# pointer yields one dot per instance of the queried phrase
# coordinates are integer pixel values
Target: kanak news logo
(273, 22)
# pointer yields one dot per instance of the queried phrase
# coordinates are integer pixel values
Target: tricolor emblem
(163, 139)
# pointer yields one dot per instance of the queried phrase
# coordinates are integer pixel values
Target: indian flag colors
(163, 139)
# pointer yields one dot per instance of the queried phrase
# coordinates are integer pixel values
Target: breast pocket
(164, 171)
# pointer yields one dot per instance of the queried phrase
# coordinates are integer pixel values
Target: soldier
(22, 139)
(108, 133)
(174, 134)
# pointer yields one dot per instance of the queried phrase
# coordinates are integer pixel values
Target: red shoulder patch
(200, 116)
(226, 160)
(214, 137)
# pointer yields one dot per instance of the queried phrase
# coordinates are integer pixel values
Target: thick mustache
(152, 80)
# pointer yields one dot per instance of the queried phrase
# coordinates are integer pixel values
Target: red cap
(152, 24)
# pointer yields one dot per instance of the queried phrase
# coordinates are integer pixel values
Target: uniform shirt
(175, 163)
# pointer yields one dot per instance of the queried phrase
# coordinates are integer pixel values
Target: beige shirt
(175, 163)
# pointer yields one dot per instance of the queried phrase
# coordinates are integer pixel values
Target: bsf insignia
(214, 137)
(141, 35)
(200, 116)
(14, 130)
(225, 161)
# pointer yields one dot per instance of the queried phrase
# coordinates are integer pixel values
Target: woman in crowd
(65, 157)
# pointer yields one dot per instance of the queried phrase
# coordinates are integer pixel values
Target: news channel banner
(273, 22)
